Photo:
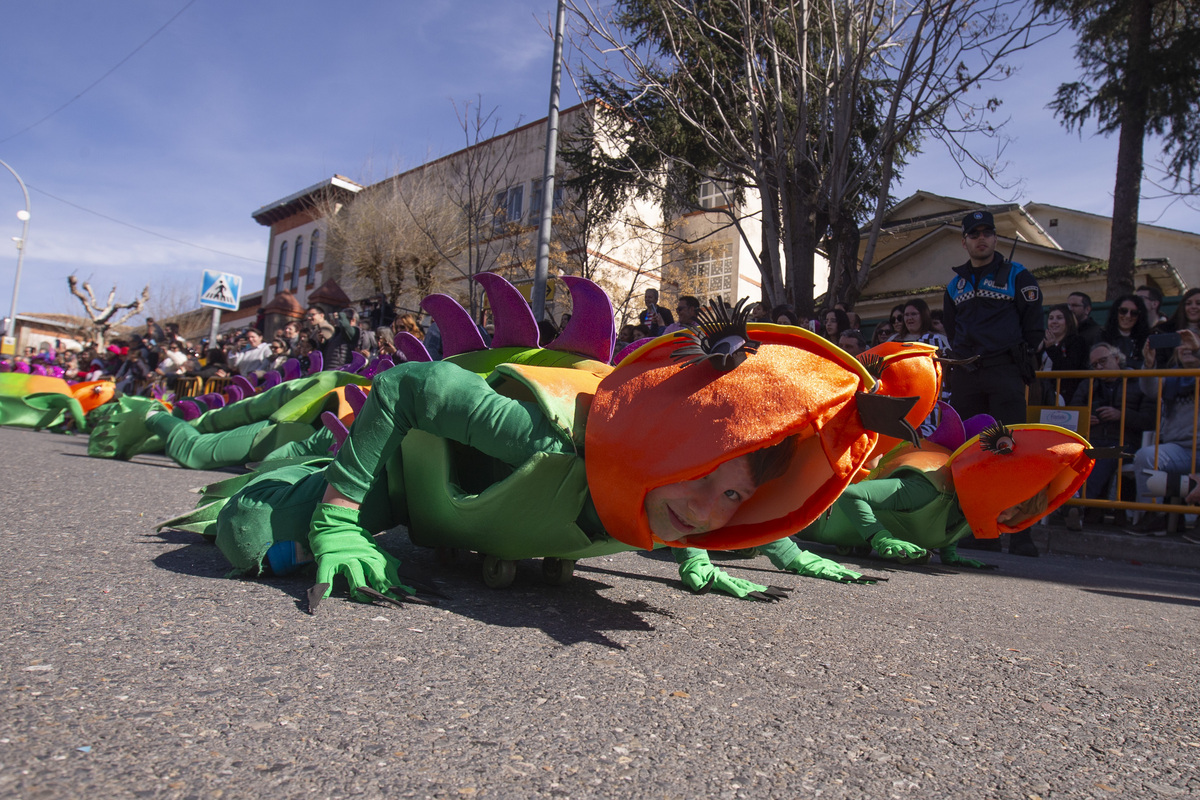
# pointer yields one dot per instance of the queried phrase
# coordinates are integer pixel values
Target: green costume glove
(699, 575)
(340, 545)
(949, 556)
(785, 555)
(889, 546)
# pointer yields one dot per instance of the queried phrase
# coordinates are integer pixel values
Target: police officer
(992, 309)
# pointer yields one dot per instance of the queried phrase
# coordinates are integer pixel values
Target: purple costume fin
(515, 325)
(949, 432)
(316, 362)
(356, 398)
(234, 392)
(339, 430)
(459, 334)
(270, 380)
(973, 426)
(411, 347)
(356, 363)
(291, 369)
(591, 331)
(243, 383)
(188, 410)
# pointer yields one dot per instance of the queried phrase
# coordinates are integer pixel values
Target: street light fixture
(22, 215)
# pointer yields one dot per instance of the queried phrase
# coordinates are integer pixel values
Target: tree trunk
(1127, 192)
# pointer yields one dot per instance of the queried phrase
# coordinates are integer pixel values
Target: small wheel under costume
(446, 556)
(557, 571)
(498, 573)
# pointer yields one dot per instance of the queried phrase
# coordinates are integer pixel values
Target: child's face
(689, 508)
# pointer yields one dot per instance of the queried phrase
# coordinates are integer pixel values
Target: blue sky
(234, 105)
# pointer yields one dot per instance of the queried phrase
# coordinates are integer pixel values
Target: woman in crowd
(1176, 428)
(835, 323)
(1061, 349)
(883, 332)
(1187, 315)
(280, 353)
(917, 326)
(1126, 328)
(784, 315)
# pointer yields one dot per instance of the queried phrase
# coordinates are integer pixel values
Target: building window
(714, 194)
(507, 208)
(295, 284)
(282, 266)
(313, 242)
(535, 197)
(713, 273)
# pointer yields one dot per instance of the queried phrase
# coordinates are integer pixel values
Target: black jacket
(990, 311)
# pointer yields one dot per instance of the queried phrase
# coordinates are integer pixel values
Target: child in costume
(549, 455)
(974, 477)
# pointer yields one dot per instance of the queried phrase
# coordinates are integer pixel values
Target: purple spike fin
(627, 349)
(21, 367)
(591, 331)
(950, 432)
(973, 426)
(459, 334)
(243, 383)
(384, 365)
(316, 362)
(270, 380)
(213, 400)
(234, 392)
(356, 397)
(356, 363)
(411, 347)
(37, 369)
(515, 325)
(188, 410)
(291, 369)
(337, 428)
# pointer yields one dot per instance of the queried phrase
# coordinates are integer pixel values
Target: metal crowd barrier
(1124, 465)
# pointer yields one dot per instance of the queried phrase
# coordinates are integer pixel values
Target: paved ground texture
(131, 668)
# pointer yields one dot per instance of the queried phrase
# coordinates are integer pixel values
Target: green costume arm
(447, 401)
(785, 555)
(862, 500)
(699, 575)
(341, 546)
(949, 555)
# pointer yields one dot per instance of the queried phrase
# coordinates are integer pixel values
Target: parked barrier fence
(1081, 415)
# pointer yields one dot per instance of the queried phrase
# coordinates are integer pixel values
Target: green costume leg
(195, 450)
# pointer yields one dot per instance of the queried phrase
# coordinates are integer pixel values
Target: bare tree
(813, 105)
(105, 317)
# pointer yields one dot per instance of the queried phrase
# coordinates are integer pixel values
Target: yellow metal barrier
(1127, 375)
(216, 385)
(188, 386)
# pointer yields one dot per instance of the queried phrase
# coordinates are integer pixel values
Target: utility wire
(93, 84)
(143, 230)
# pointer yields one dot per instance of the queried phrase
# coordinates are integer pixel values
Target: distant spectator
(255, 355)
(407, 322)
(1187, 315)
(625, 337)
(918, 326)
(935, 322)
(1081, 306)
(1176, 427)
(1061, 349)
(688, 309)
(784, 315)
(855, 321)
(290, 333)
(883, 332)
(280, 353)
(1126, 328)
(1105, 426)
(655, 317)
(852, 341)
(336, 338)
(215, 365)
(896, 318)
(1152, 298)
(834, 322)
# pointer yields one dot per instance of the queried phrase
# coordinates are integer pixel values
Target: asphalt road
(131, 668)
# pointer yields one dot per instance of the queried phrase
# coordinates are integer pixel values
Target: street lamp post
(23, 215)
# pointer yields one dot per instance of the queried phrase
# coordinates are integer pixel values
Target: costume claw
(378, 597)
(706, 588)
(315, 595)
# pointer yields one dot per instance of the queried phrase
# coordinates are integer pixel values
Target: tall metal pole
(20, 255)
(541, 270)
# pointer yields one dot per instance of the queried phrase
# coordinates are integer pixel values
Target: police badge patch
(1030, 293)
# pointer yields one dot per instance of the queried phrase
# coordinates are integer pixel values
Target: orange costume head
(905, 369)
(680, 406)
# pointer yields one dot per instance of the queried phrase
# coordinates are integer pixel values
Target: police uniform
(990, 312)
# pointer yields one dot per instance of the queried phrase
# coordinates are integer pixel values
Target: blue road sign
(221, 290)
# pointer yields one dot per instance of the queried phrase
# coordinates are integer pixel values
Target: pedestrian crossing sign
(220, 290)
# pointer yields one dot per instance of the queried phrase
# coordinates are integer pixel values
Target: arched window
(296, 264)
(313, 242)
(281, 267)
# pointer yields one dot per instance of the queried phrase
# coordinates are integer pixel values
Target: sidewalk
(1107, 541)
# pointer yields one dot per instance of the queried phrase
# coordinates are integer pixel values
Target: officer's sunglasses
(986, 232)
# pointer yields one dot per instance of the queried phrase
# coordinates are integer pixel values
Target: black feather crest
(722, 339)
(997, 439)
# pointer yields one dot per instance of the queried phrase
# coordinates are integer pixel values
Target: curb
(1107, 541)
